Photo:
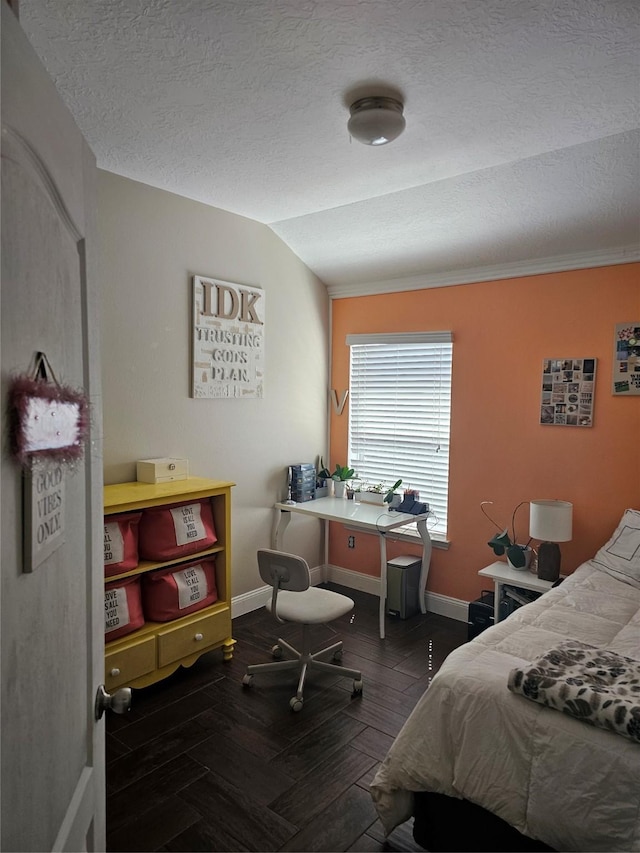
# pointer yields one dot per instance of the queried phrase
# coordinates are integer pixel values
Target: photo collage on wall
(626, 359)
(568, 391)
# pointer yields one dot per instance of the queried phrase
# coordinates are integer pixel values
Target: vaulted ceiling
(521, 151)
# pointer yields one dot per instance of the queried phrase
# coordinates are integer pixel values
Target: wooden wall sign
(48, 428)
(228, 340)
(44, 513)
(339, 404)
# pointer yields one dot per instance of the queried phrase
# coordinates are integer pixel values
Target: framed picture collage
(568, 391)
(626, 359)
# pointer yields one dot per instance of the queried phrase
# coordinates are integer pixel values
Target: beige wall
(152, 243)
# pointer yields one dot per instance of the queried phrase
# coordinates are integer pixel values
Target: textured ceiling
(522, 141)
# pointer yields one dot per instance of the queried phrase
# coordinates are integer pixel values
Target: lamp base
(549, 561)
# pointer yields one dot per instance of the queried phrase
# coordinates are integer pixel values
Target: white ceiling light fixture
(376, 121)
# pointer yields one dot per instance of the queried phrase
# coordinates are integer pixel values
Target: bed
(551, 778)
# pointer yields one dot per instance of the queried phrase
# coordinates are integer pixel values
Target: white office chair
(295, 600)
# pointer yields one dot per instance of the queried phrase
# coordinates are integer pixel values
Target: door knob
(118, 702)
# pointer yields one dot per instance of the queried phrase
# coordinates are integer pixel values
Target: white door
(52, 750)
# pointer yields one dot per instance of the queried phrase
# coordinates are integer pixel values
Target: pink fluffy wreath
(30, 400)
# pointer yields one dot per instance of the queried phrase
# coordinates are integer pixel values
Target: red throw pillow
(167, 532)
(122, 608)
(121, 543)
(179, 590)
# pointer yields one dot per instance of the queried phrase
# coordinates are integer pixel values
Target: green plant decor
(323, 471)
(389, 495)
(503, 542)
(343, 472)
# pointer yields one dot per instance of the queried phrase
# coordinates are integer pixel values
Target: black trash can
(403, 582)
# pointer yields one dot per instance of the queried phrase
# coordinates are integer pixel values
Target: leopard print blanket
(595, 685)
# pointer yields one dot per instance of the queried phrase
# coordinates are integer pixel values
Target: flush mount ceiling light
(376, 121)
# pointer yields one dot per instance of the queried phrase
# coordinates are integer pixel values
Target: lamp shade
(376, 121)
(550, 521)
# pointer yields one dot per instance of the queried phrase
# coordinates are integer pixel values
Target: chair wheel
(337, 655)
(357, 688)
(296, 704)
(247, 681)
(276, 652)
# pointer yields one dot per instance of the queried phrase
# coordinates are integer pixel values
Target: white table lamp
(551, 522)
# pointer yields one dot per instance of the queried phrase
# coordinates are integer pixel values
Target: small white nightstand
(501, 573)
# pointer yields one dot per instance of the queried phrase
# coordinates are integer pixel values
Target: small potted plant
(340, 477)
(378, 493)
(373, 493)
(506, 542)
(356, 488)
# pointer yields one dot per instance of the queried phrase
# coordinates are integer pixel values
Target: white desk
(369, 518)
(501, 573)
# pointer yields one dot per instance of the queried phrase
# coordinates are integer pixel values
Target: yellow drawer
(193, 635)
(129, 661)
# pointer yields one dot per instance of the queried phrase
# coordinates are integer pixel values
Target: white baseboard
(257, 598)
(443, 605)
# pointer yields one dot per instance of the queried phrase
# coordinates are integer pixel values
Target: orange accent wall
(502, 331)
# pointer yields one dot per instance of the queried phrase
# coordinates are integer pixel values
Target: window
(399, 414)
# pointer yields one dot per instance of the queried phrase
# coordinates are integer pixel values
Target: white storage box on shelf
(162, 470)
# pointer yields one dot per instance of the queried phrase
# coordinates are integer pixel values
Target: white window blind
(399, 414)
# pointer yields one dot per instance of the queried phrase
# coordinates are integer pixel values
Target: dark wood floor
(201, 763)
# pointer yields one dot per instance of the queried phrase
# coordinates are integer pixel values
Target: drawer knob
(115, 672)
(199, 637)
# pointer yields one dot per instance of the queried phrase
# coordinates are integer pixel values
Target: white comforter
(553, 777)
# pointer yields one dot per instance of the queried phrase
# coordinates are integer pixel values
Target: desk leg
(383, 582)
(325, 534)
(283, 523)
(426, 561)
(496, 601)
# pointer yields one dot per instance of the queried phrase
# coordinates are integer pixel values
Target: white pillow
(620, 557)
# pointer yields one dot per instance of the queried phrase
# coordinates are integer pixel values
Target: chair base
(304, 661)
